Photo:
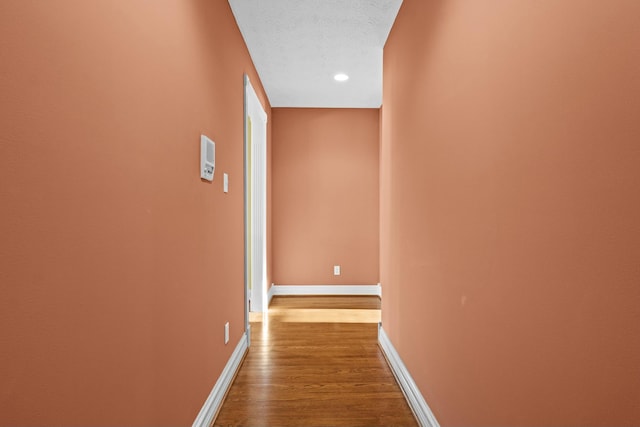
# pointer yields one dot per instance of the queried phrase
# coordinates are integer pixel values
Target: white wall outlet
(336, 270)
(225, 182)
(226, 333)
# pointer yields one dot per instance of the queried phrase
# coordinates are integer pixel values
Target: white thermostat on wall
(207, 158)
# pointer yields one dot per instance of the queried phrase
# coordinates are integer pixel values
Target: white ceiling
(298, 46)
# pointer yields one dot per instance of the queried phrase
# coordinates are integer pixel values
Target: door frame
(255, 118)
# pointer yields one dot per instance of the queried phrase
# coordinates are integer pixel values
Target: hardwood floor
(315, 361)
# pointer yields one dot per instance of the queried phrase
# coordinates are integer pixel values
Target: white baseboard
(214, 401)
(373, 290)
(415, 399)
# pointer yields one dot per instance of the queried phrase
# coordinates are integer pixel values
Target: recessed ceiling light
(341, 77)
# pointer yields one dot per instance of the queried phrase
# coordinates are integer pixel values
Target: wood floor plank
(327, 373)
(326, 301)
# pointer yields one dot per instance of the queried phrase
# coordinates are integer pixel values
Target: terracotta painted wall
(510, 209)
(325, 196)
(118, 265)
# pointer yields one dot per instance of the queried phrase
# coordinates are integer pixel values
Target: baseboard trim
(324, 290)
(214, 401)
(416, 401)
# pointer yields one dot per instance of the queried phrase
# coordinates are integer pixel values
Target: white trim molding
(214, 401)
(416, 401)
(373, 290)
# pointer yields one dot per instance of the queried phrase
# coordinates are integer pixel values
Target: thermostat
(207, 158)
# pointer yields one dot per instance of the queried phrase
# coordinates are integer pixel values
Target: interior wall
(119, 266)
(510, 234)
(325, 196)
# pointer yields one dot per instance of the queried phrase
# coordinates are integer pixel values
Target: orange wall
(325, 196)
(119, 266)
(510, 209)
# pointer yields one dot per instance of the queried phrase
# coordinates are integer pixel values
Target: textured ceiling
(298, 46)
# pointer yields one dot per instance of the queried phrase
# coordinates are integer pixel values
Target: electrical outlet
(226, 333)
(336, 270)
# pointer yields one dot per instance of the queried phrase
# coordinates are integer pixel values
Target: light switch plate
(225, 181)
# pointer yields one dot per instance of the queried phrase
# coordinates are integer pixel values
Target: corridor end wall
(325, 196)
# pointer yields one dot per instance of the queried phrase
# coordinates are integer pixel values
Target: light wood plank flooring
(315, 361)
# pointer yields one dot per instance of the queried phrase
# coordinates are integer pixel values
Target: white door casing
(255, 202)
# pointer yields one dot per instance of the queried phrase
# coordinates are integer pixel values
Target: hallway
(315, 361)
(488, 187)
